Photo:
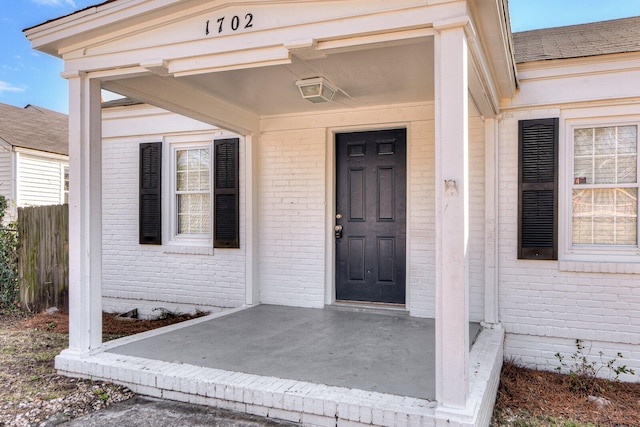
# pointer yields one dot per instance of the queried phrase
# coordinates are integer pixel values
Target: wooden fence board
(43, 257)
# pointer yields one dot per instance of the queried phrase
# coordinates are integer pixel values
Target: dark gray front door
(371, 210)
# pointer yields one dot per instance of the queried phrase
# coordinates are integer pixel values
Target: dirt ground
(32, 393)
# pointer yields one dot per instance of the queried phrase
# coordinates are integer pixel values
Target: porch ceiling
(367, 76)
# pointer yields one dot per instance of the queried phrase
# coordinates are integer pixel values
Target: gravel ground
(41, 410)
(33, 395)
(31, 392)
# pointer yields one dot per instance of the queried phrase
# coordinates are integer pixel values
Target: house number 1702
(234, 23)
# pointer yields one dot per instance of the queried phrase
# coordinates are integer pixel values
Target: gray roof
(35, 128)
(577, 41)
(121, 102)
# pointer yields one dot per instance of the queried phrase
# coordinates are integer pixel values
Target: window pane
(605, 140)
(627, 140)
(582, 217)
(193, 213)
(583, 170)
(583, 142)
(605, 170)
(605, 216)
(627, 216)
(627, 169)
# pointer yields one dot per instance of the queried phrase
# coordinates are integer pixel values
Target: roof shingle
(35, 128)
(577, 41)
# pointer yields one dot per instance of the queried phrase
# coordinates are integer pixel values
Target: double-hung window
(202, 198)
(193, 192)
(604, 187)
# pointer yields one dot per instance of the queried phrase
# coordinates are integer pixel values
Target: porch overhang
(234, 64)
(375, 53)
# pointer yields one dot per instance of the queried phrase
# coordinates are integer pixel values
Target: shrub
(584, 370)
(9, 287)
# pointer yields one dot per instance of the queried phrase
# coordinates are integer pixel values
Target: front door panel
(371, 209)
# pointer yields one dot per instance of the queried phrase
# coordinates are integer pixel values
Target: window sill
(188, 250)
(600, 267)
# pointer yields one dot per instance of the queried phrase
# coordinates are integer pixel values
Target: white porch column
(452, 214)
(85, 213)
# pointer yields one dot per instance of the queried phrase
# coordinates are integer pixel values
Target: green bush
(9, 287)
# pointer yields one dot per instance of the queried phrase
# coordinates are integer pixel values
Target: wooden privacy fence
(43, 257)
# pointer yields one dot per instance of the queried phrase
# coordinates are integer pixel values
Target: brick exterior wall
(292, 193)
(544, 309)
(292, 236)
(149, 276)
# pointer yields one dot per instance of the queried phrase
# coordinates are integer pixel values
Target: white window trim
(183, 244)
(63, 192)
(578, 258)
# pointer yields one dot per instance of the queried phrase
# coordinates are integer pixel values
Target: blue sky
(29, 77)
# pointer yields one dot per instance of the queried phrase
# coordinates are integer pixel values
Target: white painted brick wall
(422, 251)
(476, 219)
(292, 187)
(544, 309)
(291, 231)
(149, 276)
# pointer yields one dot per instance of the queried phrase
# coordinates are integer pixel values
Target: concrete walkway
(387, 352)
(148, 412)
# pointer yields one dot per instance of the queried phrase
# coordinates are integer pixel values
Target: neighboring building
(459, 172)
(34, 156)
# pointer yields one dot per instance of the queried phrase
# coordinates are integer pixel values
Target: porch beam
(85, 213)
(173, 95)
(452, 214)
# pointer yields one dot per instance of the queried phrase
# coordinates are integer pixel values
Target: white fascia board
(86, 41)
(6, 146)
(578, 67)
(48, 37)
(42, 154)
(492, 21)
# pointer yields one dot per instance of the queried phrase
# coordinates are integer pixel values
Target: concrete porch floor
(314, 366)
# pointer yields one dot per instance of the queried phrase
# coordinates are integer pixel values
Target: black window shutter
(226, 202)
(150, 216)
(538, 189)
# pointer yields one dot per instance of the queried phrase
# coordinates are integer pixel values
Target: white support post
(85, 214)
(452, 215)
(252, 289)
(491, 222)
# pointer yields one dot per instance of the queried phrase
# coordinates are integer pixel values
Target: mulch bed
(112, 325)
(526, 393)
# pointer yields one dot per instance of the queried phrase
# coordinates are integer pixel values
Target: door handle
(338, 231)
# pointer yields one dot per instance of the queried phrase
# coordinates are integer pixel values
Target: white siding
(39, 180)
(6, 172)
(150, 276)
